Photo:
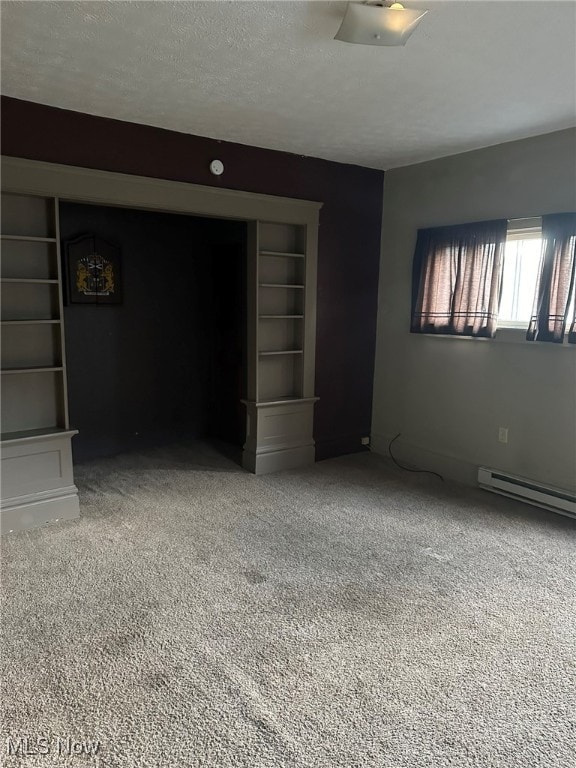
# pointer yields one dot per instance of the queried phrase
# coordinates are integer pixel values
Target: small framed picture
(92, 268)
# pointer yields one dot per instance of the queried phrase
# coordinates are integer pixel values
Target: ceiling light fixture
(372, 23)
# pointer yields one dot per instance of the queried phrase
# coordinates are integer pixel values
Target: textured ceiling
(269, 73)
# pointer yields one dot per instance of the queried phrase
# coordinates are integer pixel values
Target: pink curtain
(456, 279)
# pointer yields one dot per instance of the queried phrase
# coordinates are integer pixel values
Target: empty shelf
(38, 369)
(29, 280)
(281, 255)
(29, 238)
(280, 285)
(284, 400)
(29, 322)
(30, 434)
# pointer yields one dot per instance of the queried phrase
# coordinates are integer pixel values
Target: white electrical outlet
(365, 441)
(503, 434)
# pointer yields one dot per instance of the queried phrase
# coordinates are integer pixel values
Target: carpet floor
(345, 615)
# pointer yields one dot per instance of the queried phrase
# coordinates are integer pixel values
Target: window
(521, 271)
(468, 279)
(522, 254)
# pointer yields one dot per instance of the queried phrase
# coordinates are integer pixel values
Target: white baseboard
(275, 461)
(34, 510)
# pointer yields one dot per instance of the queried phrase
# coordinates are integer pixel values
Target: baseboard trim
(37, 509)
(416, 457)
(275, 461)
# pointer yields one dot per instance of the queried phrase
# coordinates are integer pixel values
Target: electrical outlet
(503, 434)
(365, 441)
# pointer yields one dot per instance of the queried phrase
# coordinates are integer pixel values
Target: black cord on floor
(409, 469)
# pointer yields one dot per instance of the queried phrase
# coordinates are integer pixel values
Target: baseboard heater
(553, 499)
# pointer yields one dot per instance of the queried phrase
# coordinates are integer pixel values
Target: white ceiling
(269, 74)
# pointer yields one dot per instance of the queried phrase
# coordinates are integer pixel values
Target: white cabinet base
(274, 461)
(37, 480)
(278, 435)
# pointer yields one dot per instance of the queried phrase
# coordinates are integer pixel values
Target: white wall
(447, 396)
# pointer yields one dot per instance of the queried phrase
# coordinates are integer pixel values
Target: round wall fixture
(217, 167)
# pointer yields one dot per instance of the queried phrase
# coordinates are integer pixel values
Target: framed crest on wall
(92, 268)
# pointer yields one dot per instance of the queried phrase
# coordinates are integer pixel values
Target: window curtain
(556, 280)
(456, 279)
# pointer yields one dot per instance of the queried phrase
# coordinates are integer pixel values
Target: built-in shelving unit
(281, 309)
(282, 289)
(35, 436)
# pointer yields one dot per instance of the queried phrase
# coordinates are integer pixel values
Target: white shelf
(28, 238)
(31, 434)
(38, 369)
(280, 285)
(30, 322)
(37, 477)
(282, 255)
(29, 280)
(280, 317)
(287, 400)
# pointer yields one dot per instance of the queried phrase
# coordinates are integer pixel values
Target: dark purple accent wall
(349, 244)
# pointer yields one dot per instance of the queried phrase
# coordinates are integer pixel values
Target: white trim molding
(87, 185)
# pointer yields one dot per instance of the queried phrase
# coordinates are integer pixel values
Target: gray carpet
(346, 615)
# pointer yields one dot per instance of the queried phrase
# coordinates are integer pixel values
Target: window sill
(513, 325)
(504, 335)
(517, 335)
